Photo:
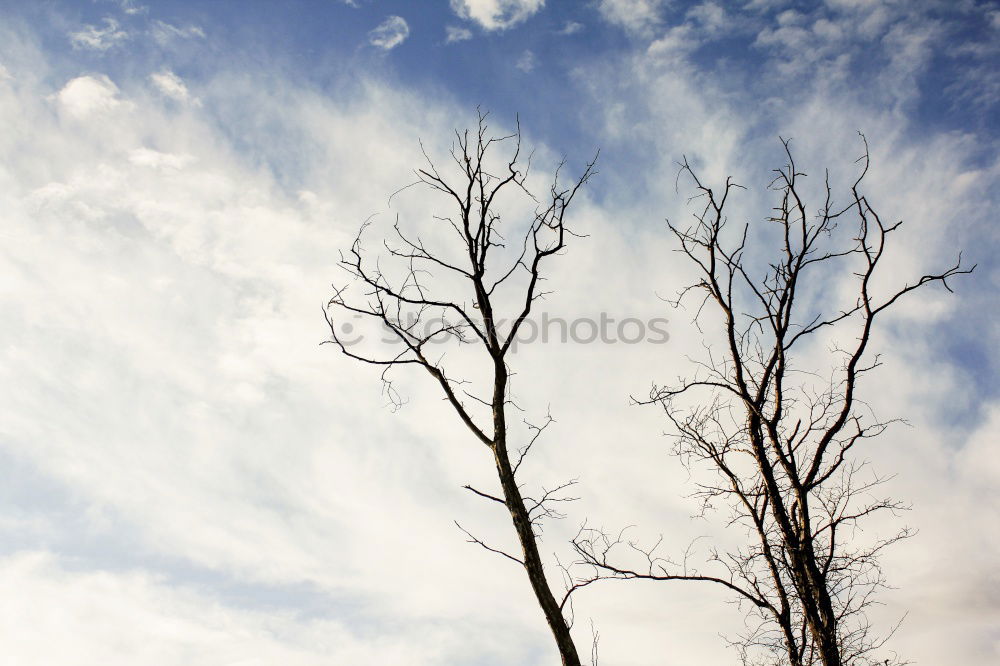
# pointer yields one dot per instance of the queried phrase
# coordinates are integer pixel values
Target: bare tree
(780, 443)
(471, 291)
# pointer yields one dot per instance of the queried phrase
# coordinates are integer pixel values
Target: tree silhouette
(774, 445)
(473, 291)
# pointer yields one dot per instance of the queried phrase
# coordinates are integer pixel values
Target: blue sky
(187, 477)
(740, 47)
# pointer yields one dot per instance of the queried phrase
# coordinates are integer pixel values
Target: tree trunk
(522, 524)
(532, 560)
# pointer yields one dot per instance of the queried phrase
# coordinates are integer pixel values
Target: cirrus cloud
(99, 39)
(455, 33)
(172, 86)
(390, 33)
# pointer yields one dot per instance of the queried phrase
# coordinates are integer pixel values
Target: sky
(188, 477)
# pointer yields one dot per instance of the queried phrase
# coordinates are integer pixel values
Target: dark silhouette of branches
(403, 290)
(780, 453)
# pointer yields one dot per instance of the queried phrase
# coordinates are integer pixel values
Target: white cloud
(57, 614)
(911, 45)
(790, 17)
(172, 86)
(164, 33)
(641, 17)
(99, 39)
(88, 95)
(177, 258)
(710, 16)
(526, 61)
(571, 28)
(496, 14)
(131, 7)
(676, 41)
(701, 24)
(155, 159)
(827, 30)
(454, 33)
(821, 44)
(389, 34)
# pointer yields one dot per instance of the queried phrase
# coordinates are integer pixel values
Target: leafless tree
(779, 443)
(471, 290)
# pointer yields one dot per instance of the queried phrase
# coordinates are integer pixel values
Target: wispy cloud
(640, 17)
(172, 86)
(526, 61)
(154, 159)
(389, 34)
(164, 33)
(710, 15)
(99, 38)
(571, 28)
(120, 618)
(677, 41)
(131, 7)
(455, 33)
